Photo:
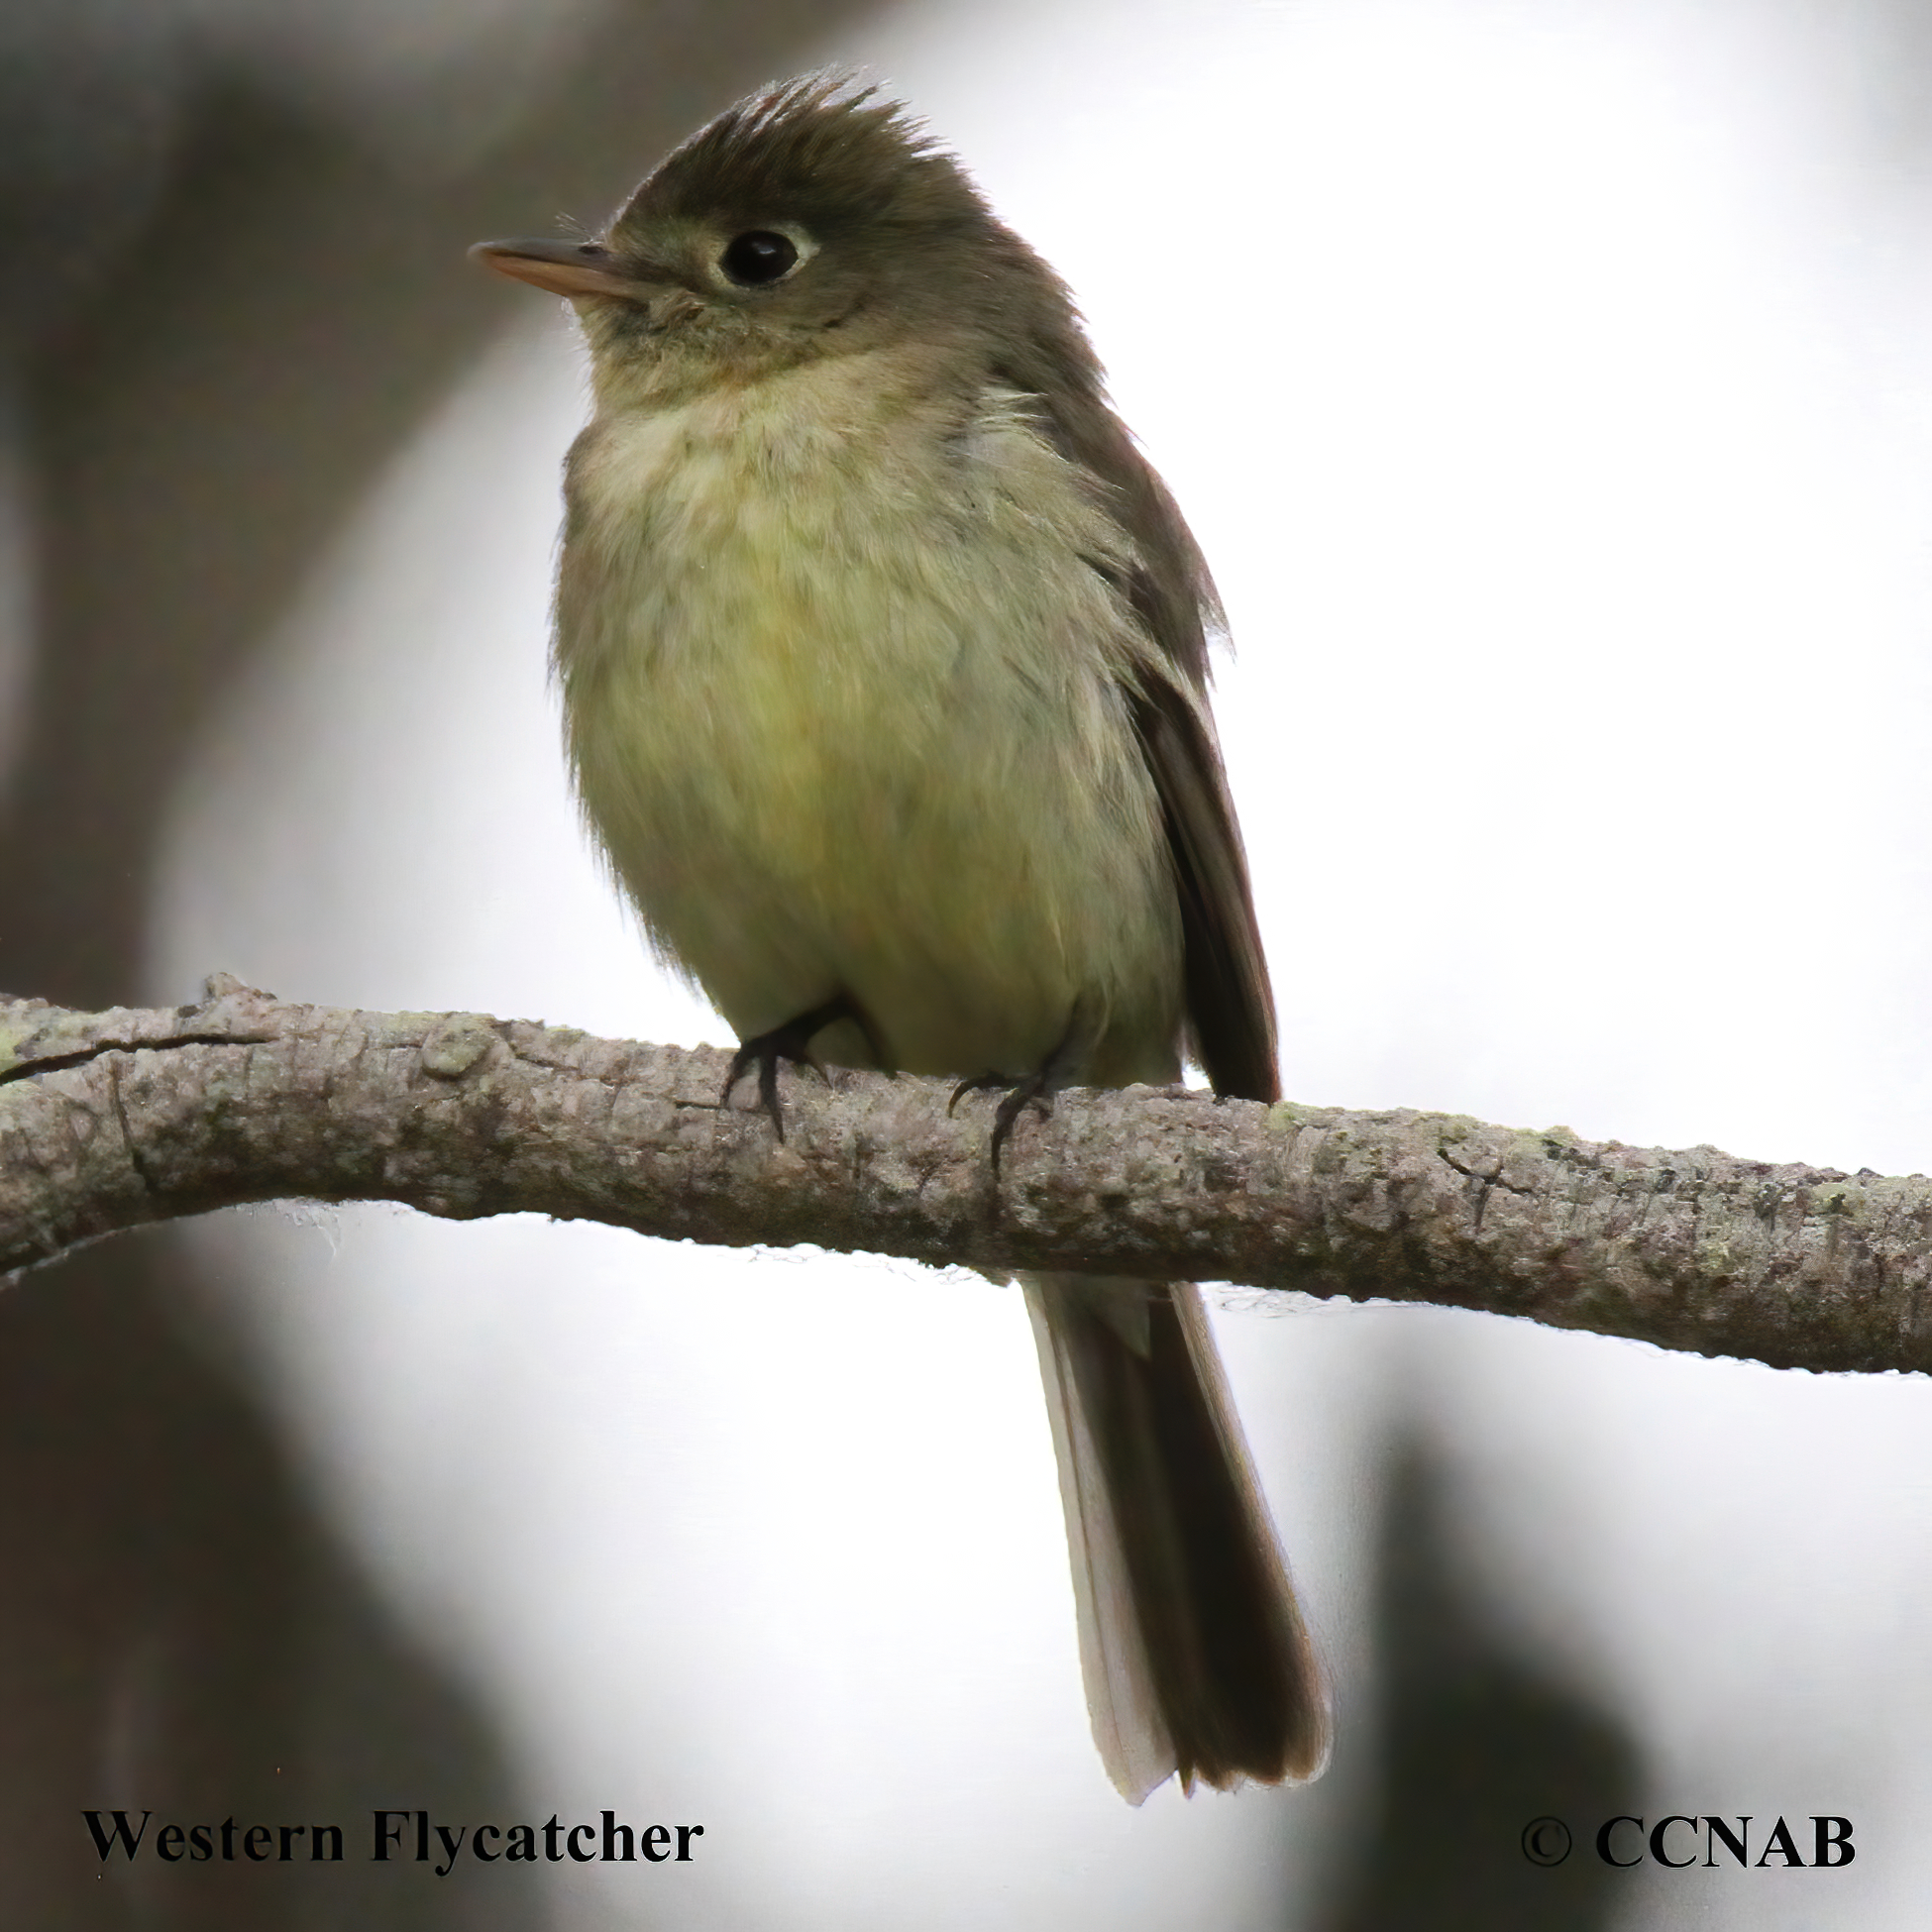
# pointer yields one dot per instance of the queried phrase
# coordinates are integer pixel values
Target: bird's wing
(1229, 1004)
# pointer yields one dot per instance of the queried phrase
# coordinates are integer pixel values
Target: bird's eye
(752, 261)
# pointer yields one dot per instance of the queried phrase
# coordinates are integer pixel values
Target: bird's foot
(1034, 1090)
(793, 1041)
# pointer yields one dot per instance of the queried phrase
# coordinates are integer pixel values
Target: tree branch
(111, 1120)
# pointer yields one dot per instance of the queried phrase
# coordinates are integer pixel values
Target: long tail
(1193, 1651)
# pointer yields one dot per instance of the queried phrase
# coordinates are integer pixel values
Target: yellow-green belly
(846, 713)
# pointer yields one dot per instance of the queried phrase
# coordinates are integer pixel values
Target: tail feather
(1193, 1653)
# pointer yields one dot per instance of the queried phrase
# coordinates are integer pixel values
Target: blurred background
(1549, 383)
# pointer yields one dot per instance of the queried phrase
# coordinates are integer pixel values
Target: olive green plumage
(883, 664)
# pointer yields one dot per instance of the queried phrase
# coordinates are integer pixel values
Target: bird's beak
(563, 267)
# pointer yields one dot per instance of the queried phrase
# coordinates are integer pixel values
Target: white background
(1551, 389)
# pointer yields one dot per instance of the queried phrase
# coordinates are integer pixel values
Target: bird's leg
(793, 1041)
(1034, 1090)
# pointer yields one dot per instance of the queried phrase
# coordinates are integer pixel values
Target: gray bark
(111, 1120)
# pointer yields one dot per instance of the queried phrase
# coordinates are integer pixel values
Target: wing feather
(1230, 1001)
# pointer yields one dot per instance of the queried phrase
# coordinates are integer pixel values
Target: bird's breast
(844, 693)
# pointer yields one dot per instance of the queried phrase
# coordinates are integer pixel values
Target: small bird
(884, 661)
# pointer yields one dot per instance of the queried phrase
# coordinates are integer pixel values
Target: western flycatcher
(884, 661)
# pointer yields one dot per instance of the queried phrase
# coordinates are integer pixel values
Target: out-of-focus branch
(110, 1120)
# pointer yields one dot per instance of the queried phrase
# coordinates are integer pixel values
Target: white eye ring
(761, 257)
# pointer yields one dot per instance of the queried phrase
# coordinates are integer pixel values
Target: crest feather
(827, 142)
